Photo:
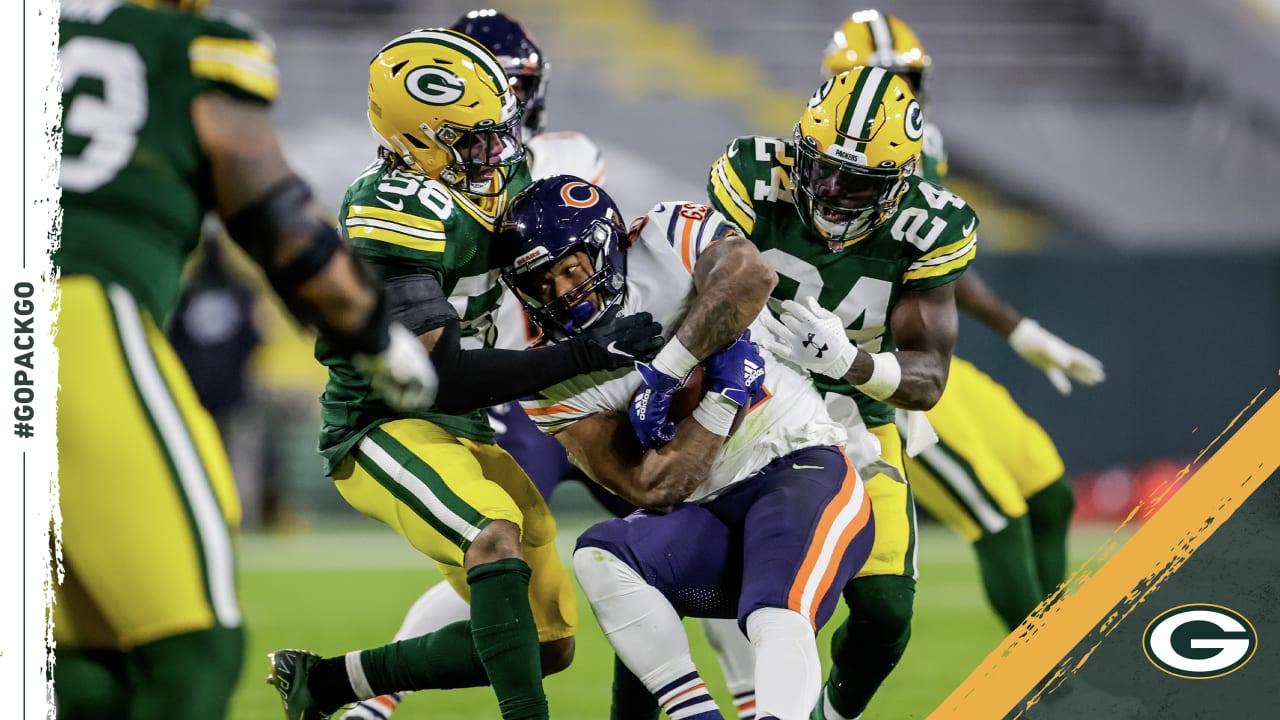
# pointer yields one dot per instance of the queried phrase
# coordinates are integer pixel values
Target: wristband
(674, 359)
(886, 374)
(716, 413)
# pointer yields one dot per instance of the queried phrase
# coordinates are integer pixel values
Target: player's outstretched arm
(1060, 361)
(483, 377)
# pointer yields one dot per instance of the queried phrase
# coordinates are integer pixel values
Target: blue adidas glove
(737, 372)
(649, 407)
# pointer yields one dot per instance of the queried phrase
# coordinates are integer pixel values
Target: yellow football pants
(144, 485)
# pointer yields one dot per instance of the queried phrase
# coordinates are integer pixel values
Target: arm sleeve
(472, 379)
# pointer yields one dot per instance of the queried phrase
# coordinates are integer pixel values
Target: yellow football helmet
(856, 144)
(441, 104)
(870, 37)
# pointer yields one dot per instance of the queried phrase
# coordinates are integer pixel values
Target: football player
(423, 214)
(867, 254)
(995, 476)
(166, 117)
(547, 153)
(776, 518)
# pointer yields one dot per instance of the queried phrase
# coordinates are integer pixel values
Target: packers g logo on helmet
(821, 93)
(443, 106)
(855, 149)
(913, 121)
(434, 85)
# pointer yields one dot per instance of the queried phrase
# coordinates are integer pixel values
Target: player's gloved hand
(649, 407)
(1061, 361)
(391, 356)
(402, 372)
(737, 372)
(614, 342)
(818, 340)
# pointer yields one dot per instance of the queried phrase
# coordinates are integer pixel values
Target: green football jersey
(927, 242)
(406, 219)
(135, 181)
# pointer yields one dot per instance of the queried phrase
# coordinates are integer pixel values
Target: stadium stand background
(1124, 156)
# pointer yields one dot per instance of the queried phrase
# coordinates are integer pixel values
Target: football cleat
(288, 675)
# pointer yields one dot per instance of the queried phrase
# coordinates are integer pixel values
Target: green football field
(347, 588)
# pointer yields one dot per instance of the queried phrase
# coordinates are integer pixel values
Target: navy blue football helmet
(519, 56)
(549, 220)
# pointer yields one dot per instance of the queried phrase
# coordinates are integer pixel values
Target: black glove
(614, 342)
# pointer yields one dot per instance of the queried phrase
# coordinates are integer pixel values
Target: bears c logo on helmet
(570, 189)
(433, 85)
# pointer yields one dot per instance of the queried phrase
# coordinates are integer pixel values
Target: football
(690, 394)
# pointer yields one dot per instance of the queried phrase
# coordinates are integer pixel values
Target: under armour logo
(809, 342)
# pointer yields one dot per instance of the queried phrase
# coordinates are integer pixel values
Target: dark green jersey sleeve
(753, 169)
(383, 218)
(943, 227)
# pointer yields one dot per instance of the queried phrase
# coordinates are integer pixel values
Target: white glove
(402, 373)
(1058, 359)
(818, 340)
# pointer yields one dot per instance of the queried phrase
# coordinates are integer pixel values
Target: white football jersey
(660, 281)
(550, 154)
(565, 153)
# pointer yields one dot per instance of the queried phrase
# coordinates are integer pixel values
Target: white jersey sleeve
(665, 245)
(565, 153)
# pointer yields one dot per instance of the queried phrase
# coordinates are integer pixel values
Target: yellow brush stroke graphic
(1101, 594)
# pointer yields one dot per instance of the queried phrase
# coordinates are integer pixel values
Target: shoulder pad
(398, 214)
(753, 169)
(231, 53)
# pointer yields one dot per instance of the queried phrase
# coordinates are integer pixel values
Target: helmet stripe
(868, 90)
(463, 44)
(881, 35)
